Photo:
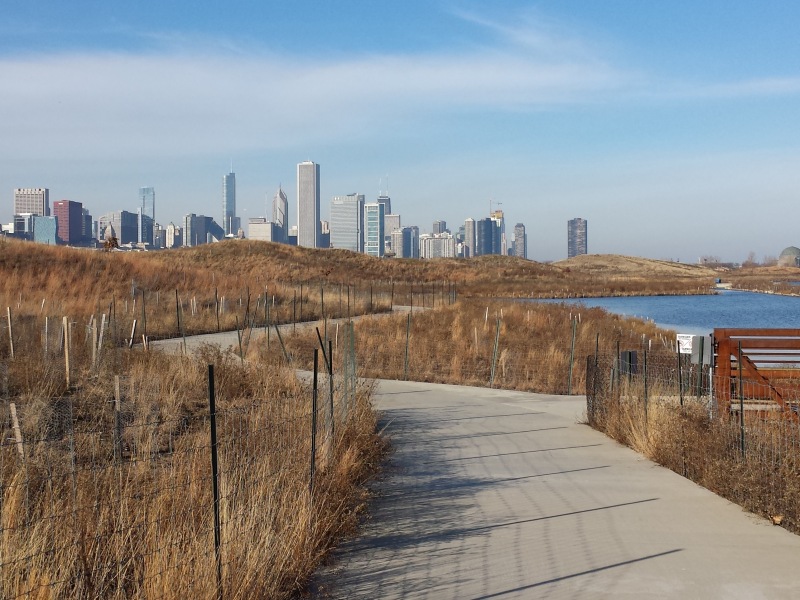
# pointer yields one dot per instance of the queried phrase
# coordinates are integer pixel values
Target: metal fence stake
(212, 408)
(314, 423)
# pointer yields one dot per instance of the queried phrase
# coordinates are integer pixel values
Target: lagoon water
(701, 314)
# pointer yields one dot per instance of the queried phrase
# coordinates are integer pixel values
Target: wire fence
(139, 486)
(747, 450)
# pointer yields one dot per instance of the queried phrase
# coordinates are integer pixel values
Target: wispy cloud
(189, 96)
(200, 98)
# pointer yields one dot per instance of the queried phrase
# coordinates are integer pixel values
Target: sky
(672, 127)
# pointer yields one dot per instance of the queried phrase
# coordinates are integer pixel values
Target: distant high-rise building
(199, 229)
(325, 234)
(437, 245)
(387, 203)
(35, 201)
(439, 227)
(291, 239)
(387, 210)
(125, 226)
(487, 237)
(401, 242)
(520, 241)
(469, 238)
(414, 241)
(145, 228)
(23, 225)
(347, 222)
(174, 236)
(577, 242)
(280, 211)
(390, 223)
(87, 225)
(147, 208)
(70, 221)
(147, 201)
(500, 244)
(230, 222)
(159, 236)
(263, 230)
(308, 225)
(45, 230)
(374, 243)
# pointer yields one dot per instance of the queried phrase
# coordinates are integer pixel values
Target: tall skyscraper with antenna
(146, 214)
(229, 221)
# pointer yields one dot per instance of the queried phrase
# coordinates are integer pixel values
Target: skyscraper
(70, 221)
(147, 210)
(577, 237)
(373, 229)
(124, 224)
(401, 242)
(469, 237)
(229, 221)
(520, 241)
(500, 244)
(174, 236)
(387, 203)
(487, 237)
(414, 240)
(308, 225)
(347, 222)
(147, 201)
(44, 230)
(439, 227)
(86, 224)
(35, 201)
(437, 245)
(280, 210)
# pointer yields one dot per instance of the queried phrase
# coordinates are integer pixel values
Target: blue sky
(671, 126)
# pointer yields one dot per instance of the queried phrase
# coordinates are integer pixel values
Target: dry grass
(706, 449)
(41, 280)
(88, 513)
(455, 344)
(772, 279)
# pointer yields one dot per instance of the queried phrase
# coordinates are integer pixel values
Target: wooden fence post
(10, 332)
(17, 430)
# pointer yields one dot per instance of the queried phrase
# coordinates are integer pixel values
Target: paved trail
(495, 494)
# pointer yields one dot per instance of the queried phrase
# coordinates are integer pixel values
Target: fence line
(116, 498)
(750, 454)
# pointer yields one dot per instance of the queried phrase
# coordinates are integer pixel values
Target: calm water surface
(701, 314)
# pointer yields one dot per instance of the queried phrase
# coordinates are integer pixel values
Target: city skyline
(679, 118)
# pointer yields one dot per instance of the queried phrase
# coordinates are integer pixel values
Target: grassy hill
(36, 279)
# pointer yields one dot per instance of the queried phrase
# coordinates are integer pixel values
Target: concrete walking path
(497, 494)
(230, 339)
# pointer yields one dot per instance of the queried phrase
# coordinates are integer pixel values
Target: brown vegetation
(103, 503)
(225, 285)
(754, 465)
(456, 344)
(771, 279)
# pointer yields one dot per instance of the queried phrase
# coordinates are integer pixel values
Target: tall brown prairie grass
(57, 281)
(755, 466)
(455, 344)
(118, 504)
